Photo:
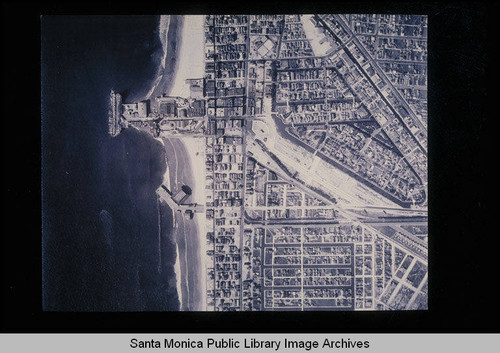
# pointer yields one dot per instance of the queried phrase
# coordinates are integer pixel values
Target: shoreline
(179, 63)
(177, 266)
(170, 28)
(190, 64)
(191, 57)
(195, 148)
(189, 264)
(163, 29)
(168, 31)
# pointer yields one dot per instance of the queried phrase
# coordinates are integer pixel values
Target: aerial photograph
(234, 162)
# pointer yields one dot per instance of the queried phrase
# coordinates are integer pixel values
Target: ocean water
(102, 245)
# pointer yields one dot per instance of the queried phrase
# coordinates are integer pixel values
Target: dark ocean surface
(102, 246)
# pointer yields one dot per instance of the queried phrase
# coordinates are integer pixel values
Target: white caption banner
(249, 343)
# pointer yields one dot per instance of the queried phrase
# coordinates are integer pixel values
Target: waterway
(107, 242)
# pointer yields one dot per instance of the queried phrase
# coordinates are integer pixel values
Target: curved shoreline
(170, 32)
(178, 63)
(176, 66)
(163, 29)
(189, 265)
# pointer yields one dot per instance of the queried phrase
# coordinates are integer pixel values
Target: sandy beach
(191, 55)
(191, 65)
(195, 148)
(188, 156)
(189, 233)
(170, 29)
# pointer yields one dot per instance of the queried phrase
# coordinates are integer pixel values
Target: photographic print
(235, 162)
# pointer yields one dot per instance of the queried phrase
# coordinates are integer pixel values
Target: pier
(167, 196)
(114, 113)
